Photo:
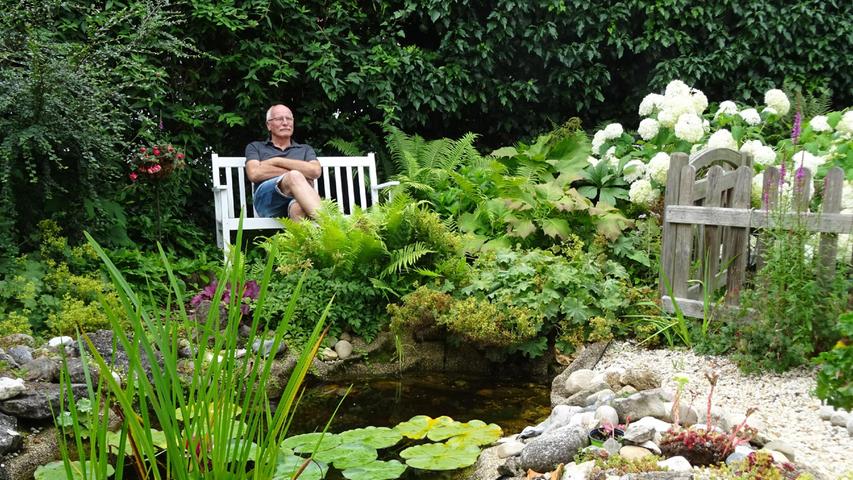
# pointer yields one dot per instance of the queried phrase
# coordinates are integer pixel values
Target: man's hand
(258, 171)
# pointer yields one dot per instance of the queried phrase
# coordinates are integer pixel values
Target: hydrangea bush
(682, 120)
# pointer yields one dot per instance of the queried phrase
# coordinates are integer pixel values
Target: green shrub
(419, 309)
(15, 322)
(486, 324)
(835, 377)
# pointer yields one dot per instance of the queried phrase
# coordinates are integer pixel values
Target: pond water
(386, 402)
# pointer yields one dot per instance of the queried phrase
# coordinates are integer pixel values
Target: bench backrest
(346, 180)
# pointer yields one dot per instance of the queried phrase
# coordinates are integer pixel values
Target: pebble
(343, 348)
(631, 452)
(778, 397)
(57, 341)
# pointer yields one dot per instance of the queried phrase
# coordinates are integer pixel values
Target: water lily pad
(56, 471)
(417, 427)
(474, 433)
(237, 447)
(307, 443)
(376, 437)
(376, 470)
(440, 456)
(347, 455)
(114, 440)
(289, 464)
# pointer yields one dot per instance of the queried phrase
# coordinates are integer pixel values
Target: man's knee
(296, 212)
(294, 178)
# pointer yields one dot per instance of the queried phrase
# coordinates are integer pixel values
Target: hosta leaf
(56, 471)
(440, 456)
(289, 464)
(376, 437)
(307, 443)
(417, 427)
(505, 152)
(473, 433)
(377, 470)
(347, 455)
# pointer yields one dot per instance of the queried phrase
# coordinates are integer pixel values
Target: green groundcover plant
(215, 422)
(835, 377)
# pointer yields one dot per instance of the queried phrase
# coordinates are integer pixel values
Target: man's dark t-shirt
(263, 150)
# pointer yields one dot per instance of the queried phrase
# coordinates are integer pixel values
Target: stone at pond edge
(10, 439)
(22, 354)
(578, 381)
(640, 378)
(39, 401)
(510, 449)
(266, 346)
(630, 452)
(647, 403)
(11, 387)
(586, 358)
(676, 464)
(343, 348)
(545, 452)
(42, 369)
(38, 449)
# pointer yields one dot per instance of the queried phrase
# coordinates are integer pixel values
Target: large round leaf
(377, 470)
(288, 464)
(474, 433)
(308, 443)
(56, 471)
(440, 456)
(376, 437)
(417, 427)
(347, 455)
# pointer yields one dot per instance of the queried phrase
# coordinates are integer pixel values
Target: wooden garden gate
(708, 221)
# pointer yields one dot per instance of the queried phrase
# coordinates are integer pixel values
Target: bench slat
(350, 191)
(338, 189)
(362, 190)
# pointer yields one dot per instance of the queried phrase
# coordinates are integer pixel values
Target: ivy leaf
(375, 437)
(440, 456)
(377, 470)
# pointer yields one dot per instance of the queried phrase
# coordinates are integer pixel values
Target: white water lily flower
(633, 170)
(612, 131)
(727, 107)
(648, 129)
(820, 124)
(761, 154)
(750, 116)
(658, 167)
(650, 103)
(722, 138)
(845, 125)
(677, 88)
(700, 101)
(689, 128)
(778, 101)
(642, 193)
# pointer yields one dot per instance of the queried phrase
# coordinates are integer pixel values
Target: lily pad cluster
(355, 453)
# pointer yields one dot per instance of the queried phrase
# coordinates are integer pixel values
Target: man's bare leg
(295, 185)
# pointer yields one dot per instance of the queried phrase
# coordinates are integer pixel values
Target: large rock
(687, 415)
(574, 471)
(578, 381)
(343, 348)
(11, 387)
(605, 415)
(638, 433)
(487, 465)
(76, 373)
(560, 416)
(580, 398)
(545, 452)
(16, 339)
(647, 403)
(22, 354)
(631, 452)
(39, 402)
(38, 449)
(42, 369)
(10, 439)
(586, 358)
(640, 378)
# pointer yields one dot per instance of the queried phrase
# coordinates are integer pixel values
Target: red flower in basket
(156, 162)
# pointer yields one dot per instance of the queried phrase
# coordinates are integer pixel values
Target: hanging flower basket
(155, 163)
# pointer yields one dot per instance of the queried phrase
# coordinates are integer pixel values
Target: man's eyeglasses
(281, 119)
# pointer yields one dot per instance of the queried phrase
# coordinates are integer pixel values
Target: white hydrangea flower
(722, 138)
(700, 101)
(633, 170)
(597, 141)
(610, 156)
(845, 125)
(847, 196)
(778, 101)
(650, 103)
(677, 88)
(666, 118)
(612, 131)
(757, 188)
(648, 129)
(679, 105)
(642, 192)
(592, 160)
(727, 107)
(750, 116)
(770, 111)
(808, 160)
(820, 124)
(689, 128)
(761, 154)
(706, 126)
(658, 167)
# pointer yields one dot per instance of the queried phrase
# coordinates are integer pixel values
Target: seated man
(282, 170)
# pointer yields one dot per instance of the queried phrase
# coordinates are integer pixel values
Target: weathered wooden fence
(708, 221)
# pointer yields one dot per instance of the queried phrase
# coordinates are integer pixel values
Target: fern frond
(404, 258)
(461, 152)
(433, 153)
(404, 149)
(345, 147)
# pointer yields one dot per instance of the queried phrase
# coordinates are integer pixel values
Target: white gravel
(787, 408)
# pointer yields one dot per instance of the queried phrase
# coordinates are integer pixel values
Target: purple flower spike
(782, 173)
(801, 173)
(797, 128)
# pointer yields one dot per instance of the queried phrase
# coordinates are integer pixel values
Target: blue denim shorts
(269, 201)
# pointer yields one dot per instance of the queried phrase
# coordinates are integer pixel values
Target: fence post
(711, 251)
(769, 202)
(833, 185)
(677, 162)
(739, 238)
(683, 236)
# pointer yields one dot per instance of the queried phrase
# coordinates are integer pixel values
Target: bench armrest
(380, 186)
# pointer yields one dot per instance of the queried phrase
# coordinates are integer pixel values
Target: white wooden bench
(343, 180)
